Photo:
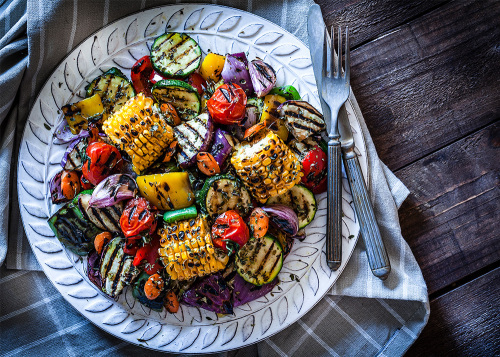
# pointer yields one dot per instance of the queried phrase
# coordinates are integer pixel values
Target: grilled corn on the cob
(187, 250)
(139, 129)
(266, 165)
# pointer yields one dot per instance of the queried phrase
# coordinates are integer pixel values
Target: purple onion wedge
(64, 135)
(236, 71)
(283, 217)
(193, 136)
(56, 194)
(263, 77)
(113, 189)
(245, 292)
(211, 293)
(222, 146)
(253, 112)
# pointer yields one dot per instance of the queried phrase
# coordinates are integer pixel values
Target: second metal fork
(335, 91)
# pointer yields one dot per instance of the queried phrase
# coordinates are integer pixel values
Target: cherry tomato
(230, 232)
(149, 253)
(132, 246)
(144, 76)
(197, 81)
(207, 164)
(70, 184)
(138, 218)
(102, 160)
(314, 166)
(228, 104)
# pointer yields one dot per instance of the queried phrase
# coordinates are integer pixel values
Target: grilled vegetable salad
(190, 180)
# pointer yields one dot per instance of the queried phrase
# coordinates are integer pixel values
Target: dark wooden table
(427, 78)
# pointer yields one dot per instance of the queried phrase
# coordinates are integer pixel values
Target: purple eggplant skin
(244, 292)
(56, 194)
(222, 146)
(236, 71)
(283, 217)
(93, 264)
(211, 293)
(72, 158)
(263, 77)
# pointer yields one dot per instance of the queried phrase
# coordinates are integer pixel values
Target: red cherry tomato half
(140, 74)
(230, 232)
(197, 81)
(314, 167)
(138, 218)
(227, 105)
(102, 160)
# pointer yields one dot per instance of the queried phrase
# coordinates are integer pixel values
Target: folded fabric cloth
(361, 316)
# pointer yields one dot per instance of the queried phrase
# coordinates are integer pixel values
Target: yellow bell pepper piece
(168, 191)
(211, 67)
(271, 117)
(77, 114)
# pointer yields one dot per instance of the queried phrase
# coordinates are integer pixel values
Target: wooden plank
(450, 220)
(367, 19)
(464, 322)
(431, 81)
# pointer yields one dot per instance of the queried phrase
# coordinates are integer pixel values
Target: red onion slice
(113, 189)
(236, 71)
(263, 77)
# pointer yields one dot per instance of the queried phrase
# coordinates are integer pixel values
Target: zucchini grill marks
(302, 119)
(175, 55)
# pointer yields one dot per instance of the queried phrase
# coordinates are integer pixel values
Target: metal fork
(335, 91)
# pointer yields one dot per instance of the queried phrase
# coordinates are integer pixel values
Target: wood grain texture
(451, 217)
(367, 19)
(431, 81)
(464, 322)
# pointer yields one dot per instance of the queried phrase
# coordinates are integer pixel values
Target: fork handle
(375, 249)
(334, 205)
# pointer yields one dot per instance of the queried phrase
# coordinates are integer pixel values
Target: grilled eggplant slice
(72, 159)
(183, 97)
(113, 88)
(117, 270)
(260, 260)
(107, 218)
(73, 230)
(301, 200)
(175, 55)
(223, 193)
(301, 118)
(193, 136)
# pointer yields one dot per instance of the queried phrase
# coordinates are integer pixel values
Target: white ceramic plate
(191, 330)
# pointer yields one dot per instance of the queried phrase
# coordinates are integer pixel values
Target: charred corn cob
(187, 250)
(139, 129)
(266, 165)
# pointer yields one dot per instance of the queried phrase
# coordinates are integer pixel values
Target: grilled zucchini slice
(260, 260)
(117, 270)
(301, 200)
(301, 119)
(223, 193)
(107, 218)
(175, 55)
(180, 94)
(114, 89)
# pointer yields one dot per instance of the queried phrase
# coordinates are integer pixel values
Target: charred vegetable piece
(253, 111)
(187, 250)
(168, 191)
(79, 114)
(211, 67)
(230, 232)
(301, 118)
(287, 92)
(236, 71)
(271, 116)
(93, 273)
(222, 147)
(314, 164)
(117, 270)
(197, 82)
(70, 184)
(139, 294)
(244, 292)
(283, 217)
(266, 165)
(113, 189)
(171, 302)
(141, 130)
(175, 54)
(207, 164)
(258, 222)
(101, 240)
(228, 104)
(193, 137)
(101, 161)
(73, 230)
(260, 260)
(73, 157)
(181, 95)
(107, 218)
(149, 254)
(263, 77)
(56, 194)
(114, 89)
(144, 76)
(301, 200)
(180, 214)
(154, 286)
(223, 193)
(138, 218)
(211, 293)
